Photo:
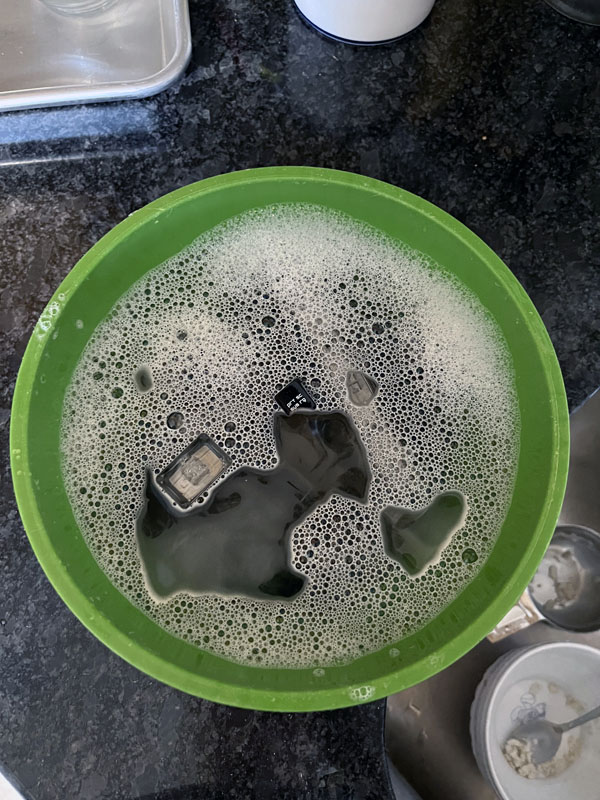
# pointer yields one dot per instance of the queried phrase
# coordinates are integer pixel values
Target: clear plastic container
(78, 6)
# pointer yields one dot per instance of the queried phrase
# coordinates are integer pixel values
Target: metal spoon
(543, 736)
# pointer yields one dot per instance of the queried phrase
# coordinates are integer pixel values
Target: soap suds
(202, 343)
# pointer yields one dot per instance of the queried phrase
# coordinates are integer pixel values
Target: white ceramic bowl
(504, 695)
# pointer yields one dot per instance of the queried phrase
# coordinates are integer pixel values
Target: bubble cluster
(202, 343)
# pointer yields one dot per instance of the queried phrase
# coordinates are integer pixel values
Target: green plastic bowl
(157, 232)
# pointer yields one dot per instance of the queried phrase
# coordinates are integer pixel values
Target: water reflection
(62, 123)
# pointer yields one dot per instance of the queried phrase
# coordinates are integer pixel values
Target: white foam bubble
(285, 292)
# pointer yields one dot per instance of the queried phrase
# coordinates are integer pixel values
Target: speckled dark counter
(491, 110)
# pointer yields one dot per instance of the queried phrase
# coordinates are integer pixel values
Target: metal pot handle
(522, 615)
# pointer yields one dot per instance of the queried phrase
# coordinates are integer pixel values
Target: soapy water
(238, 542)
(415, 538)
(203, 343)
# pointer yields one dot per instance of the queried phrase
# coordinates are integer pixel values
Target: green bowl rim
(268, 699)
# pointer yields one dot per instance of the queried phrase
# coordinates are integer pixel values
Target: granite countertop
(490, 110)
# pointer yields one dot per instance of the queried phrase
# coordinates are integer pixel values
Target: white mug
(365, 21)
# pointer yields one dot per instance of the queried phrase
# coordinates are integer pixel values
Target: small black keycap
(293, 396)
